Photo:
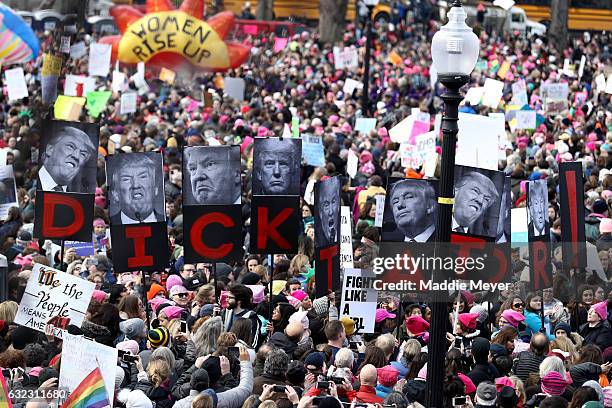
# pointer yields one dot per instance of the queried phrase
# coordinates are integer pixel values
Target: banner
(140, 247)
(51, 292)
(346, 238)
(571, 194)
(538, 232)
(84, 356)
(67, 216)
(275, 224)
(8, 190)
(327, 212)
(359, 299)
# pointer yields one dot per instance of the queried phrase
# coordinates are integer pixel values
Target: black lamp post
(370, 4)
(454, 51)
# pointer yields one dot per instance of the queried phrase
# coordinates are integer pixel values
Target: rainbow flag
(5, 401)
(90, 393)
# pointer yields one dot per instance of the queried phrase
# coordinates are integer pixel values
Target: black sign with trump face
(276, 166)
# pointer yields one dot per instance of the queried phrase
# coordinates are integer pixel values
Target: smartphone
(323, 385)
(459, 401)
(279, 388)
(337, 380)
(234, 352)
(353, 345)
(183, 326)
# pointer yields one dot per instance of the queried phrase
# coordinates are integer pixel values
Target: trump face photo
(478, 195)
(327, 212)
(69, 152)
(537, 208)
(211, 175)
(136, 188)
(411, 211)
(276, 166)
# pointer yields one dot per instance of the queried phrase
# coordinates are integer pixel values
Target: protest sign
(99, 59)
(96, 102)
(128, 103)
(474, 95)
(51, 292)
(351, 164)
(419, 126)
(430, 164)
(78, 50)
(609, 85)
(492, 93)
(581, 66)
(477, 146)
(518, 225)
(346, 58)
(414, 155)
(167, 75)
(395, 58)
(503, 70)
(554, 92)
(525, 119)
(312, 150)
(280, 43)
(81, 248)
(79, 85)
(65, 45)
(85, 355)
(295, 126)
(119, 83)
(553, 107)
(380, 210)
(16, 84)
(359, 298)
(68, 107)
(500, 131)
(365, 125)
(568, 69)
(48, 88)
(350, 85)
(234, 87)
(52, 65)
(580, 98)
(400, 133)
(519, 93)
(8, 190)
(346, 238)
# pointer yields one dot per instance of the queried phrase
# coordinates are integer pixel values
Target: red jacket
(367, 395)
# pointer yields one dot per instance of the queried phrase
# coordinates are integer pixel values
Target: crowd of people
(187, 339)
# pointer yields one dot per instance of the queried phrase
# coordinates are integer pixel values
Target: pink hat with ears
(173, 280)
(592, 137)
(606, 194)
(293, 301)
(382, 132)
(601, 309)
(156, 301)
(333, 119)
(223, 119)
(172, 312)
(592, 146)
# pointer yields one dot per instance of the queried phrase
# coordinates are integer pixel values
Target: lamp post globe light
(454, 50)
(370, 4)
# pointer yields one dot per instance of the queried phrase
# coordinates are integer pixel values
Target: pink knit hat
(172, 312)
(605, 225)
(293, 301)
(601, 309)
(99, 296)
(258, 293)
(513, 317)
(346, 128)
(129, 345)
(172, 281)
(553, 383)
(468, 319)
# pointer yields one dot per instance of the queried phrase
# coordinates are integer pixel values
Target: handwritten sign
(79, 85)
(78, 50)
(519, 93)
(351, 164)
(52, 65)
(346, 238)
(554, 92)
(359, 298)
(312, 150)
(16, 84)
(84, 356)
(234, 87)
(380, 208)
(525, 119)
(65, 45)
(493, 91)
(128, 103)
(350, 85)
(365, 125)
(8, 190)
(99, 59)
(51, 292)
(119, 83)
(345, 58)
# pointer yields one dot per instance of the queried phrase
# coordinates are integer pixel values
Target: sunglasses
(519, 305)
(182, 295)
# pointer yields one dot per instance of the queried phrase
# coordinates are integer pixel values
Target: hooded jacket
(600, 335)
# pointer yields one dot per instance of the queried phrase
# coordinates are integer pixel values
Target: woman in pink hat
(597, 328)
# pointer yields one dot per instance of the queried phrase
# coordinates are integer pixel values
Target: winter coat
(584, 372)
(600, 335)
(534, 323)
(526, 363)
(235, 397)
(161, 396)
(265, 378)
(483, 372)
(282, 341)
(366, 394)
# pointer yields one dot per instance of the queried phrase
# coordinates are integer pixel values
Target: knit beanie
(553, 383)
(601, 309)
(563, 326)
(468, 320)
(173, 280)
(513, 317)
(154, 291)
(133, 328)
(417, 325)
(159, 337)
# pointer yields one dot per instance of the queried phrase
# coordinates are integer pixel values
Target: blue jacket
(534, 322)
(383, 391)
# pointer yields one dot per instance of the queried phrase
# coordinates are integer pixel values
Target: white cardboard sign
(359, 298)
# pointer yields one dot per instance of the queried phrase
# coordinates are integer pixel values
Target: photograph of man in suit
(214, 174)
(537, 208)
(276, 165)
(135, 189)
(414, 207)
(64, 162)
(327, 231)
(475, 193)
